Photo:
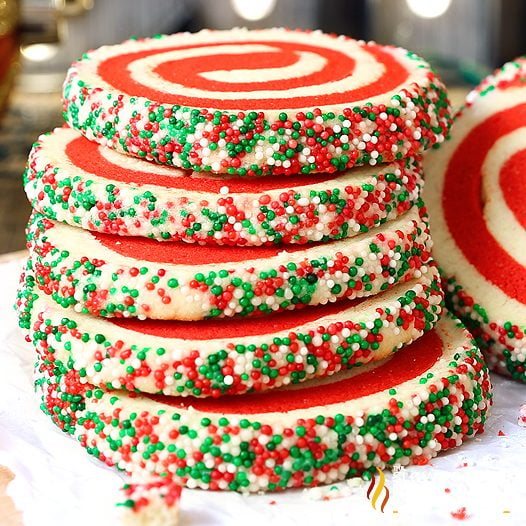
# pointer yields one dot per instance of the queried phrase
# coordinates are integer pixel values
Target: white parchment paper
(57, 484)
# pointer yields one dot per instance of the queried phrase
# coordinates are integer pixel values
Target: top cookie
(270, 101)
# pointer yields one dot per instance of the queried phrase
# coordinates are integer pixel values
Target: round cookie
(429, 397)
(476, 191)
(230, 356)
(269, 101)
(76, 181)
(108, 275)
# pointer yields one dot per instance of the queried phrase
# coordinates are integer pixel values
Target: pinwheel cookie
(429, 397)
(108, 275)
(476, 191)
(76, 181)
(257, 102)
(230, 356)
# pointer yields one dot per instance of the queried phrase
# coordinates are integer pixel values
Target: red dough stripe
(115, 72)
(86, 155)
(405, 365)
(187, 71)
(231, 327)
(512, 180)
(463, 205)
(180, 253)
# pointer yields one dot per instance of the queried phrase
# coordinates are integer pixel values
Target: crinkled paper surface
(57, 483)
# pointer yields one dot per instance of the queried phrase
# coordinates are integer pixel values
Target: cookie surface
(257, 102)
(232, 356)
(79, 182)
(476, 191)
(108, 275)
(429, 397)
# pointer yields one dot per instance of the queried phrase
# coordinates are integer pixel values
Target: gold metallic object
(8, 16)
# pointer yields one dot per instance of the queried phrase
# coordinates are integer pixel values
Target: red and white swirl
(476, 191)
(260, 70)
(503, 190)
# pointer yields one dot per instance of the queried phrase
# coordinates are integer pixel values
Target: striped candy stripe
(257, 102)
(73, 180)
(477, 186)
(429, 397)
(109, 275)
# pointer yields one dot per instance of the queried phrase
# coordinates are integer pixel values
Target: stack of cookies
(230, 284)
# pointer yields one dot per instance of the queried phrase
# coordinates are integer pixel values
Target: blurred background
(463, 39)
